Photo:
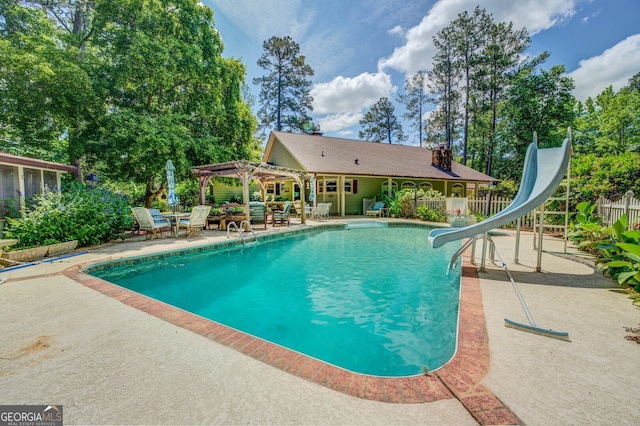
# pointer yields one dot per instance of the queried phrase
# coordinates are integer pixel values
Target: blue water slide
(543, 172)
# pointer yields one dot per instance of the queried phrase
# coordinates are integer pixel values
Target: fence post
(627, 199)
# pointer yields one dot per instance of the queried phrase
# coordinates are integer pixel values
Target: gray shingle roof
(328, 155)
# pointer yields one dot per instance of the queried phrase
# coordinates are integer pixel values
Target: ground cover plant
(616, 249)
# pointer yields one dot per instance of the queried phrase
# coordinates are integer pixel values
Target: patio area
(107, 362)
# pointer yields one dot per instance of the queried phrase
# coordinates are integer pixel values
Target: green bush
(430, 215)
(91, 216)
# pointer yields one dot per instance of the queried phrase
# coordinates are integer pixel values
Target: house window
(348, 186)
(385, 186)
(331, 185)
(408, 184)
(320, 185)
(271, 188)
(426, 186)
(50, 180)
(457, 190)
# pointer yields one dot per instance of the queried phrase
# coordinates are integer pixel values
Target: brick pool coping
(460, 378)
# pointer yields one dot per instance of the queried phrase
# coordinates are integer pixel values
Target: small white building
(22, 177)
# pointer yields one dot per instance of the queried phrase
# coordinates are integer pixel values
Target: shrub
(430, 215)
(91, 216)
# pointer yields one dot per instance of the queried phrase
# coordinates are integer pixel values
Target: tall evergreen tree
(468, 36)
(443, 84)
(380, 123)
(499, 61)
(415, 100)
(284, 94)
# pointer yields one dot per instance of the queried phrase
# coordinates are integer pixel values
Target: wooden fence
(610, 211)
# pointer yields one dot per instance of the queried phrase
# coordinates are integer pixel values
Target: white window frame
(348, 186)
(331, 186)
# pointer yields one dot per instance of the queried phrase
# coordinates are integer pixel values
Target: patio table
(174, 220)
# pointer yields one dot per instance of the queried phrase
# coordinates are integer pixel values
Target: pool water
(375, 301)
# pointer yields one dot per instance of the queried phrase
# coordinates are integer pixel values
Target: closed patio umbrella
(172, 197)
(312, 188)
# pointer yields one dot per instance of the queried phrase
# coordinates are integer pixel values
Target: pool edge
(460, 378)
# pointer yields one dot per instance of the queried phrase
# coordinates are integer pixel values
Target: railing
(243, 225)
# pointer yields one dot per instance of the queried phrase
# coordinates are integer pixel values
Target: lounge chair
(282, 215)
(147, 223)
(258, 212)
(323, 210)
(195, 222)
(376, 210)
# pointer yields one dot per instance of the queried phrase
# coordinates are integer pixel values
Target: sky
(362, 50)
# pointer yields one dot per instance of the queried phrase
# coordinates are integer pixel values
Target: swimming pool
(376, 301)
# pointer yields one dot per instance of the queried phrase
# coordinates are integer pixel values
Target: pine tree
(380, 123)
(415, 100)
(284, 94)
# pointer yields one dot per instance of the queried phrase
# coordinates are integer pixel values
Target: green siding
(223, 192)
(281, 157)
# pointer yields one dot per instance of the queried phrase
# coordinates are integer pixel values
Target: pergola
(247, 171)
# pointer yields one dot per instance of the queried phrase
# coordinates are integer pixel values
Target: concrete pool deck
(107, 362)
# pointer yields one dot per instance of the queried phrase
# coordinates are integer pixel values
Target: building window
(50, 180)
(385, 186)
(457, 190)
(331, 185)
(271, 188)
(320, 185)
(426, 186)
(348, 186)
(408, 184)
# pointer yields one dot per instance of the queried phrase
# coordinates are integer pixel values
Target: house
(346, 172)
(21, 178)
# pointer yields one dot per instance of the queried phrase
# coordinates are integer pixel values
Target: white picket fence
(610, 211)
(479, 205)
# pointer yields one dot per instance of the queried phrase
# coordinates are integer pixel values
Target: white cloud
(397, 30)
(615, 66)
(344, 94)
(336, 122)
(418, 51)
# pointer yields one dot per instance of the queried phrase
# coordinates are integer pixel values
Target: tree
(619, 119)
(468, 36)
(284, 94)
(443, 84)
(537, 101)
(380, 123)
(46, 92)
(499, 61)
(415, 101)
(634, 82)
(167, 92)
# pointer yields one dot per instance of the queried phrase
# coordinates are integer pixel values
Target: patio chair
(195, 222)
(323, 210)
(258, 212)
(376, 210)
(282, 215)
(147, 223)
(155, 214)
